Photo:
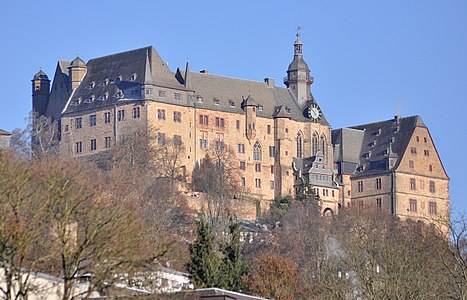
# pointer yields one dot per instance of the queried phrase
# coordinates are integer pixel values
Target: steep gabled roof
(119, 77)
(369, 144)
(60, 91)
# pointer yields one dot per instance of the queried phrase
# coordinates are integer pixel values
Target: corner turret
(76, 70)
(40, 92)
(249, 106)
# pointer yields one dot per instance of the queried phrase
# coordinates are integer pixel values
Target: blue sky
(371, 59)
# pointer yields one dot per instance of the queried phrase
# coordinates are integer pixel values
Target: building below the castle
(280, 135)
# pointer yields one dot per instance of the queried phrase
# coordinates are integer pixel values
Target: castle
(280, 135)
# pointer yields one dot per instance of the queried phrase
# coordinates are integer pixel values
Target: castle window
(242, 165)
(272, 151)
(178, 96)
(360, 186)
(161, 138)
(424, 139)
(432, 208)
(269, 129)
(78, 147)
(220, 122)
(378, 183)
(136, 112)
(92, 120)
(203, 141)
(66, 128)
(203, 120)
(243, 182)
(314, 144)
(107, 117)
(430, 168)
(177, 117)
(79, 123)
(432, 187)
(272, 169)
(121, 115)
(237, 125)
(241, 148)
(413, 185)
(161, 93)
(418, 139)
(107, 142)
(219, 145)
(258, 167)
(412, 205)
(257, 182)
(271, 184)
(93, 144)
(286, 130)
(161, 114)
(299, 145)
(413, 150)
(378, 204)
(426, 152)
(177, 140)
(257, 155)
(411, 164)
(323, 145)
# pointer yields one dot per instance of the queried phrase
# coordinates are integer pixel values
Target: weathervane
(298, 30)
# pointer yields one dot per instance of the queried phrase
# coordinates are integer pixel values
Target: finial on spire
(298, 31)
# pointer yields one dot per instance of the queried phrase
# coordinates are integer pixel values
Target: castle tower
(76, 70)
(40, 93)
(249, 106)
(298, 78)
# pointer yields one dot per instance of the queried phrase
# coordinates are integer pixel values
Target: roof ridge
(384, 121)
(120, 53)
(227, 77)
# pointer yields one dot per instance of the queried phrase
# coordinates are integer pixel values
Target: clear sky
(371, 59)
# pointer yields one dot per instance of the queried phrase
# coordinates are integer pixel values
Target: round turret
(40, 76)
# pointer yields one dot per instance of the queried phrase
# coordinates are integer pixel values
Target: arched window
(257, 155)
(299, 145)
(323, 145)
(314, 144)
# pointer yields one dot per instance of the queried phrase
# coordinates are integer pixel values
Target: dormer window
(91, 85)
(216, 101)
(231, 103)
(178, 96)
(161, 93)
(200, 99)
(378, 132)
(132, 77)
(260, 108)
(119, 78)
(119, 94)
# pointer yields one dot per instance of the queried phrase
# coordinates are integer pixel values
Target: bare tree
(217, 176)
(21, 226)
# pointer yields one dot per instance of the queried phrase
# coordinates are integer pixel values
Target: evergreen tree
(234, 268)
(204, 265)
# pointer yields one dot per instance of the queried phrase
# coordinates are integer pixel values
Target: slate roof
(56, 100)
(368, 144)
(4, 132)
(117, 78)
(40, 75)
(120, 77)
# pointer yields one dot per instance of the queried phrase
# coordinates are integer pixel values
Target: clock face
(314, 113)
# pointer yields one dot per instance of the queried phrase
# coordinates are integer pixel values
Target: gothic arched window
(323, 145)
(257, 155)
(314, 144)
(299, 145)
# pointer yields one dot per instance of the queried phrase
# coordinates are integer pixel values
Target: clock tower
(298, 78)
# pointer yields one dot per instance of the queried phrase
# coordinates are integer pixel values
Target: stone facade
(281, 137)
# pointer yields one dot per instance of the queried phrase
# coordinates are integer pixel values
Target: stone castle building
(280, 135)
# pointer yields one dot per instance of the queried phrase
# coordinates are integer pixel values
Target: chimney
(204, 71)
(397, 119)
(269, 81)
